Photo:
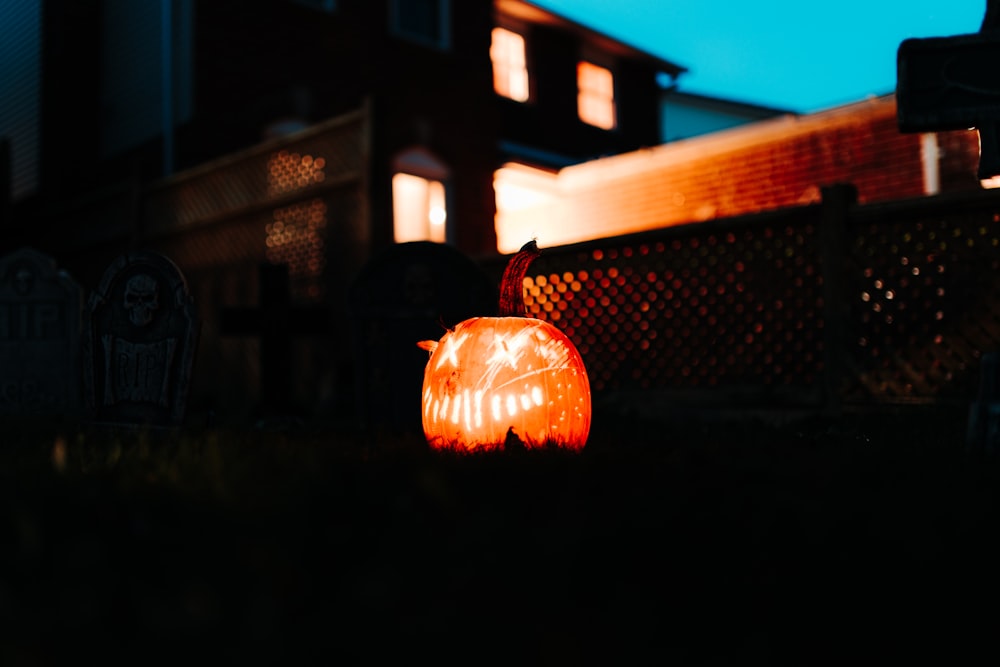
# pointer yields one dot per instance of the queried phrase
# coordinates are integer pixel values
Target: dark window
(328, 6)
(422, 21)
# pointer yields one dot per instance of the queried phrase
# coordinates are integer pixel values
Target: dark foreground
(870, 539)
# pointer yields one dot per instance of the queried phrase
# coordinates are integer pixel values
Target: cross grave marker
(40, 312)
(275, 321)
(951, 83)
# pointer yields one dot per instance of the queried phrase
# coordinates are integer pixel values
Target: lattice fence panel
(923, 291)
(716, 307)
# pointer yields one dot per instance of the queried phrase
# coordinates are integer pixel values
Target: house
(455, 89)
(315, 133)
(310, 133)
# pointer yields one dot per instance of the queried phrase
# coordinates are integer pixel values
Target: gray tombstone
(39, 337)
(408, 293)
(140, 334)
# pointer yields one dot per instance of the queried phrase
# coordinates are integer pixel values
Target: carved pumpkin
(493, 382)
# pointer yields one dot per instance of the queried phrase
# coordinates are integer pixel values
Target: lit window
(421, 21)
(510, 69)
(419, 212)
(596, 96)
(526, 198)
(419, 196)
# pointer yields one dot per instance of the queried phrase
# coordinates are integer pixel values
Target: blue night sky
(789, 54)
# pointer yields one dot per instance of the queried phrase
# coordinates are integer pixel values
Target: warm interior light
(510, 71)
(437, 214)
(524, 198)
(419, 210)
(596, 96)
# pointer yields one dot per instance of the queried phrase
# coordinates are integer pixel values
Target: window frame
(325, 6)
(585, 62)
(418, 162)
(443, 40)
(506, 67)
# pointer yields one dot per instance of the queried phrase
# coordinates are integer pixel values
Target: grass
(869, 537)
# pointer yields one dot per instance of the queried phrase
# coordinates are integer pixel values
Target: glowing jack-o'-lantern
(493, 379)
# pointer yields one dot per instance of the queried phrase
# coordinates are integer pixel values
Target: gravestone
(951, 83)
(39, 337)
(139, 339)
(408, 293)
(275, 321)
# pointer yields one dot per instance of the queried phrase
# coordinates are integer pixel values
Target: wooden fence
(813, 307)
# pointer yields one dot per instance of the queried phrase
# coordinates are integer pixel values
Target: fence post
(837, 202)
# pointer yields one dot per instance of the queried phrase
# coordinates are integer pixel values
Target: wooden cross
(952, 83)
(275, 321)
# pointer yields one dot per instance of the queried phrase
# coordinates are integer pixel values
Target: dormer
(550, 72)
(423, 22)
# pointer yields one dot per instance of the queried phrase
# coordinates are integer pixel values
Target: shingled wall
(759, 167)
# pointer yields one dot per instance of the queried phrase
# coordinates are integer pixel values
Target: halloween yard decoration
(493, 381)
(139, 337)
(402, 295)
(40, 315)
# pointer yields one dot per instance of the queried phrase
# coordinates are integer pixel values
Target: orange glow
(510, 69)
(990, 183)
(492, 379)
(59, 454)
(295, 237)
(722, 174)
(288, 172)
(418, 208)
(525, 199)
(493, 374)
(596, 96)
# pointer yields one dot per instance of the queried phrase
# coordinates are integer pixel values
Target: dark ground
(867, 539)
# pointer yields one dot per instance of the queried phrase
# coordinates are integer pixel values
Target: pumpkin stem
(512, 283)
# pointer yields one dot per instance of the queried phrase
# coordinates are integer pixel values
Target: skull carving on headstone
(141, 299)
